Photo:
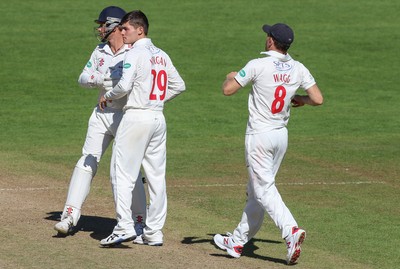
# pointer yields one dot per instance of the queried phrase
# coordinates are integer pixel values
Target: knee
(259, 195)
(264, 195)
(88, 163)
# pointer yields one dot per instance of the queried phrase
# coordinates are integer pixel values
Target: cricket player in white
(275, 80)
(104, 66)
(149, 79)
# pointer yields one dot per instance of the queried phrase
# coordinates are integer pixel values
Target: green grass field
(340, 177)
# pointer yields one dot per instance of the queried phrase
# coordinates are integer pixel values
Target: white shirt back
(275, 80)
(149, 78)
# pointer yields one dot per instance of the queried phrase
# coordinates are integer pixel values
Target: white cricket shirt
(103, 62)
(149, 78)
(275, 80)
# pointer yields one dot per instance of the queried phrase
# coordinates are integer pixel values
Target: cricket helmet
(110, 17)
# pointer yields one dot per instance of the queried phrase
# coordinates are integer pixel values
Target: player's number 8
(160, 79)
(279, 101)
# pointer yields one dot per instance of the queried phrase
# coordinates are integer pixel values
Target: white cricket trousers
(140, 140)
(264, 154)
(102, 129)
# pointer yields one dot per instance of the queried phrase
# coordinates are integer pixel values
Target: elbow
(230, 87)
(226, 91)
(315, 97)
(80, 81)
(319, 101)
(84, 83)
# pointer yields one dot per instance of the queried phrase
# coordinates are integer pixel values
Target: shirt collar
(106, 48)
(141, 42)
(280, 56)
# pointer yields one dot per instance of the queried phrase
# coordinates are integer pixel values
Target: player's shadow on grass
(99, 227)
(248, 250)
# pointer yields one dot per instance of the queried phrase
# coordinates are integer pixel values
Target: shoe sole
(147, 243)
(296, 254)
(154, 244)
(228, 250)
(117, 242)
(140, 241)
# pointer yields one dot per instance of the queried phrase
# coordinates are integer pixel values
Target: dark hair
(280, 46)
(136, 18)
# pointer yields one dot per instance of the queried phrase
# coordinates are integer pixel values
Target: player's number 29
(159, 79)
(279, 101)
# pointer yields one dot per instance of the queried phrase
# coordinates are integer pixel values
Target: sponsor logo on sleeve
(242, 73)
(89, 64)
(127, 65)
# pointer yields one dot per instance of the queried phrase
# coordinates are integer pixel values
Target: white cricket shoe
(116, 239)
(293, 242)
(227, 243)
(141, 240)
(65, 225)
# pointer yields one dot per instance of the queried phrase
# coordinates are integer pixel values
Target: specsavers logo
(242, 73)
(127, 65)
(89, 64)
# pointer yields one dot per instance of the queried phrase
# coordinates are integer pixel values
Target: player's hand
(102, 103)
(297, 101)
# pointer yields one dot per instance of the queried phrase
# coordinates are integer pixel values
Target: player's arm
(176, 85)
(129, 74)
(114, 90)
(90, 76)
(112, 93)
(230, 85)
(313, 98)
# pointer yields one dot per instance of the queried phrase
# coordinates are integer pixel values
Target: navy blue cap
(280, 32)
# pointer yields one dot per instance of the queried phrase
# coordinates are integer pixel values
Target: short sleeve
(307, 79)
(246, 74)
